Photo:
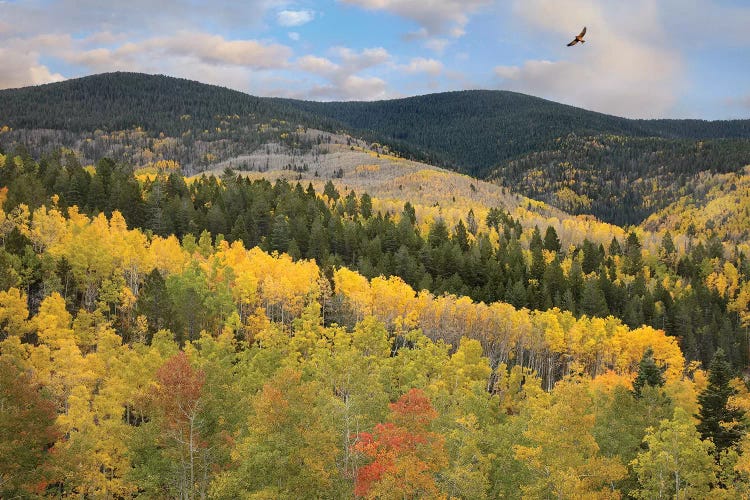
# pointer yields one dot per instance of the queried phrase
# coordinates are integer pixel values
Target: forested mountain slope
(120, 101)
(134, 363)
(312, 315)
(617, 169)
(620, 179)
(717, 204)
(475, 130)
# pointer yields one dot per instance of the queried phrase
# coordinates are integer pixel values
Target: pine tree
(633, 259)
(718, 421)
(471, 222)
(365, 206)
(614, 247)
(649, 373)
(593, 302)
(279, 238)
(461, 236)
(551, 241)
(438, 233)
(330, 191)
(536, 239)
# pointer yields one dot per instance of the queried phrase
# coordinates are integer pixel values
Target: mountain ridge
(545, 150)
(429, 127)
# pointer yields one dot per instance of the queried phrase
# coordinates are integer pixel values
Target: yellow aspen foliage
(741, 304)
(466, 367)
(632, 344)
(94, 448)
(11, 349)
(18, 218)
(356, 290)
(14, 313)
(395, 304)
(53, 321)
(514, 386)
(168, 255)
(47, 228)
(562, 454)
(609, 380)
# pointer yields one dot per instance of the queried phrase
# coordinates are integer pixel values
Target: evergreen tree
(649, 373)
(409, 212)
(537, 263)
(365, 206)
(461, 236)
(153, 302)
(279, 238)
(633, 258)
(536, 239)
(667, 244)
(718, 421)
(351, 205)
(614, 247)
(593, 302)
(551, 241)
(471, 222)
(438, 233)
(330, 191)
(591, 257)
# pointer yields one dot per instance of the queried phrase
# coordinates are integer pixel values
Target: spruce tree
(718, 421)
(649, 373)
(551, 241)
(593, 302)
(461, 236)
(365, 206)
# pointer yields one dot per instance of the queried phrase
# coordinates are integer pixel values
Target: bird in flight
(578, 38)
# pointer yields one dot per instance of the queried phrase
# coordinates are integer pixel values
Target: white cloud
(626, 68)
(435, 17)
(142, 17)
(342, 78)
(204, 48)
(421, 65)
(318, 65)
(293, 35)
(437, 44)
(214, 49)
(291, 18)
(22, 68)
(357, 61)
(352, 87)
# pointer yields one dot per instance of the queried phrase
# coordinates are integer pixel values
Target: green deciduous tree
(677, 463)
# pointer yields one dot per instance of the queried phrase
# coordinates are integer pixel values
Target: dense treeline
(718, 204)
(243, 391)
(472, 131)
(696, 296)
(476, 130)
(121, 101)
(621, 180)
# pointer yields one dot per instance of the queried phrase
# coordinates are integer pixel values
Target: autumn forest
(357, 323)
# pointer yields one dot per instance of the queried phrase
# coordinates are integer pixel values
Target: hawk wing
(582, 32)
(573, 43)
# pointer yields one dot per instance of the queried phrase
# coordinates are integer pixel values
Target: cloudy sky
(643, 58)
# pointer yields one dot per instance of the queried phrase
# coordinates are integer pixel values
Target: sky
(641, 59)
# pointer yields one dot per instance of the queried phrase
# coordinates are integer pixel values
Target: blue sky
(643, 58)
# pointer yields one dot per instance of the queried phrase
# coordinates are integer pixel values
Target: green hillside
(472, 131)
(617, 169)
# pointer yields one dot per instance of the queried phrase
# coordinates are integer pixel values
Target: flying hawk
(578, 38)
